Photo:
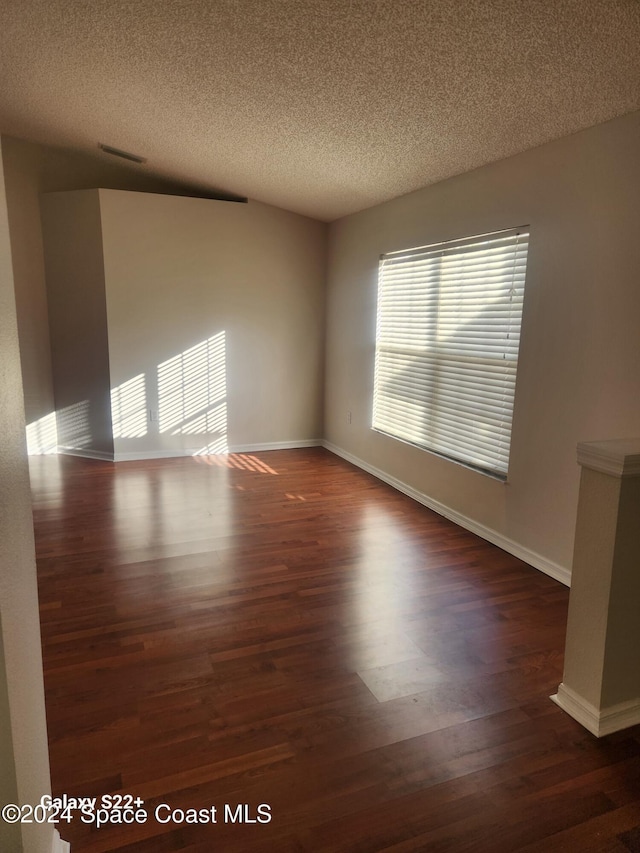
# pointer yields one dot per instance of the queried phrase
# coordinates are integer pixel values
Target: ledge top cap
(619, 457)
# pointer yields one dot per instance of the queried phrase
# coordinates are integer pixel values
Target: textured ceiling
(323, 107)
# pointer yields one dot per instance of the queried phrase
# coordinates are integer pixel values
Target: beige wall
(164, 298)
(22, 166)
(580, 350)
(593, 560)
(286, 258)
(9, 833)
(77, 320)
(181, 272)
(29, 170)
(621, 679)
(22, 715)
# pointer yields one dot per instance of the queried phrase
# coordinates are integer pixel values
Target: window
(447, 346)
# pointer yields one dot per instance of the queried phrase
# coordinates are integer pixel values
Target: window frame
(484, 279)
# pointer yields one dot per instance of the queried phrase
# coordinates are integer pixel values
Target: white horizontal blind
(447, 346)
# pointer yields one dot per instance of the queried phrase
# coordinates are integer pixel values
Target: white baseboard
(276, 445)
(58, 845)
(237, 448)
(140, 455)
(599, 722)
(557, 572)
(85, 454)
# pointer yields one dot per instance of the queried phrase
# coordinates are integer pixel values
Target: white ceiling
(323, 107)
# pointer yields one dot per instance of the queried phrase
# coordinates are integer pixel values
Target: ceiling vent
(117, 152)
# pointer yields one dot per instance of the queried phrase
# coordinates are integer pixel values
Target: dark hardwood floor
(282, 629)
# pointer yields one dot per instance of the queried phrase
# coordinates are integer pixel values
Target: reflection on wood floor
(282, 629)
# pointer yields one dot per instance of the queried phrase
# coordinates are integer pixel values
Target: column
(601, 681)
